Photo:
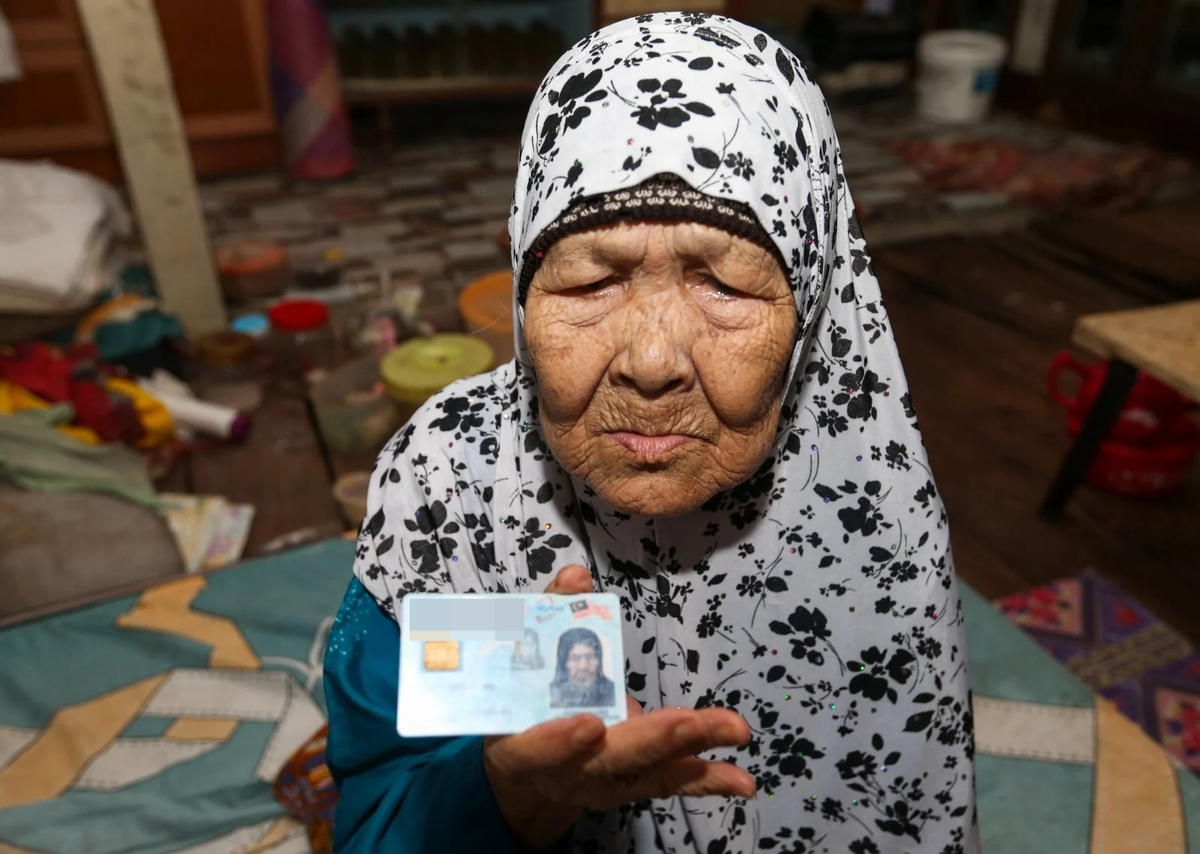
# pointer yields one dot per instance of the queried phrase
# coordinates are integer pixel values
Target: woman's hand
(543, 778)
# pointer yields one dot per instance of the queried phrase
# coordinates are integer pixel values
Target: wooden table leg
(1107, 406)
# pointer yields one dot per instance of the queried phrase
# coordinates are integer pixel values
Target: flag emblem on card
(588, 608)
(441, 655)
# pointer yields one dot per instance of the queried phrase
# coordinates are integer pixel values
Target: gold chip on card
(441, 655)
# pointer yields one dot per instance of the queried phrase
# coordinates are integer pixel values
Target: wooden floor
(978, 321)
(281, 468)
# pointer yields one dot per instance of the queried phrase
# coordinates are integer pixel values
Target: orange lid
(249, 256)
(487, 302)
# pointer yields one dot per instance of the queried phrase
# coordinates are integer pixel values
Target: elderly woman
(706, 416)
(579, 678)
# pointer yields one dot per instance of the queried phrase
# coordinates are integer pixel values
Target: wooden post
(135, 77)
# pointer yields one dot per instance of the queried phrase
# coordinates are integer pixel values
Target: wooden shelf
(217, 51)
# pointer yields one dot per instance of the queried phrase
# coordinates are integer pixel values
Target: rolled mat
(307, 93)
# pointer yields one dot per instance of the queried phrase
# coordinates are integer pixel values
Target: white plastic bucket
(958, 74)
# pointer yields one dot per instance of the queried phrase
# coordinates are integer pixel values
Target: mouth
(650, 449)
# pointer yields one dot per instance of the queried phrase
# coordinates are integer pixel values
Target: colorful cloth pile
(106, 408)
(35, 456)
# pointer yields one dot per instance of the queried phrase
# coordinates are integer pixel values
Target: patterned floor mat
(1123, 651)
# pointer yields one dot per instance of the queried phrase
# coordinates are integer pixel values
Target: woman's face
(582, 665)
(660, 351)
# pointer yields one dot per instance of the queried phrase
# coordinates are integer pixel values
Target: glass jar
(301, 338)
(226, 370)
(225, 355)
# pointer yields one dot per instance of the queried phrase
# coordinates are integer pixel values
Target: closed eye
(720, 290)
(591, 288)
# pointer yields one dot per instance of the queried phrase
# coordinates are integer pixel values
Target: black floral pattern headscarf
(818, 597)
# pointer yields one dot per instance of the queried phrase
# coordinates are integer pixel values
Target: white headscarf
(818, 597)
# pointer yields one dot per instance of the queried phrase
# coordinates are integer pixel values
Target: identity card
(500, 663)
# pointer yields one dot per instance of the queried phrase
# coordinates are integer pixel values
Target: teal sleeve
(397, 794)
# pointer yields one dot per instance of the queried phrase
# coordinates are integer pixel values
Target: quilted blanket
(156, 724)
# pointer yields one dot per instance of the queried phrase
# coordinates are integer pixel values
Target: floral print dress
(817, 598)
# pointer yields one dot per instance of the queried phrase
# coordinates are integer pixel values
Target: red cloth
(73, 376)
(39, 369)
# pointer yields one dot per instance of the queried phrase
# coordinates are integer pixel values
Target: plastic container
(228, 370)
(350, 492)
(1144, 471)
(256, 325)
(301, 337)
(958, 73)
(230, 354)
(422, 367)
(1150, 406)
(252, 270)
(486, 308)
(354, 413)
(319, 268)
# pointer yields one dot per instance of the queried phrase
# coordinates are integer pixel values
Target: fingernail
(586, 736)
(729, 732)
(684, 731)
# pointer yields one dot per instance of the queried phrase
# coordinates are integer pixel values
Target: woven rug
(1123, 651)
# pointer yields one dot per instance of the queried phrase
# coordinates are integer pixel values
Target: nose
(656, 359)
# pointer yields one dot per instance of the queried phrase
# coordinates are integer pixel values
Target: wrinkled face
(582, 665)
(660, 351)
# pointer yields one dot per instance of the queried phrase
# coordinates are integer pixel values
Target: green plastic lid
(422, 367)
